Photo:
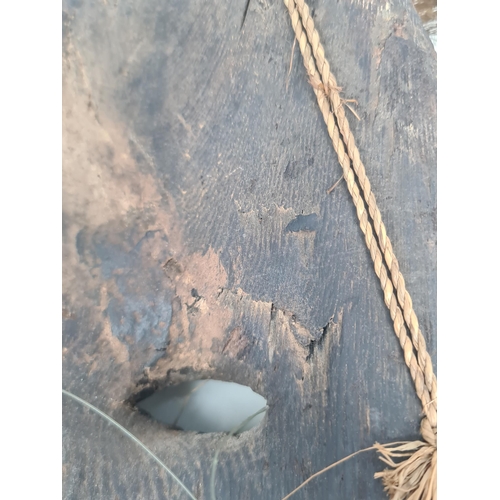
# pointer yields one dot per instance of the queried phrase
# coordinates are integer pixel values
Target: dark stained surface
(199, 241)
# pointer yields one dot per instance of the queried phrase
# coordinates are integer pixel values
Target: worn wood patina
(199, 240)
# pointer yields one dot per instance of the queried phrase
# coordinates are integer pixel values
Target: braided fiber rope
(404, 299)
(415, 477)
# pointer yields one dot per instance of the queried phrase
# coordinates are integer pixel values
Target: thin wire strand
(331, 466)
(132, 437)
(216, 456)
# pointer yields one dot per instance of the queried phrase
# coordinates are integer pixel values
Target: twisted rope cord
(332, 89)
(414, 476)
(390, 299)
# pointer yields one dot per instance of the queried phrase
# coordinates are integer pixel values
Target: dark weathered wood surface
(199, 241)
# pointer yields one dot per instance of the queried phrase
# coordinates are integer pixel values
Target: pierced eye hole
(205, 406)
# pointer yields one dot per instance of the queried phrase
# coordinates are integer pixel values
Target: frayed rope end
(414, 477)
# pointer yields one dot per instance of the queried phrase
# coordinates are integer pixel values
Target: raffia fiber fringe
(412, 472)
(415, 476)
